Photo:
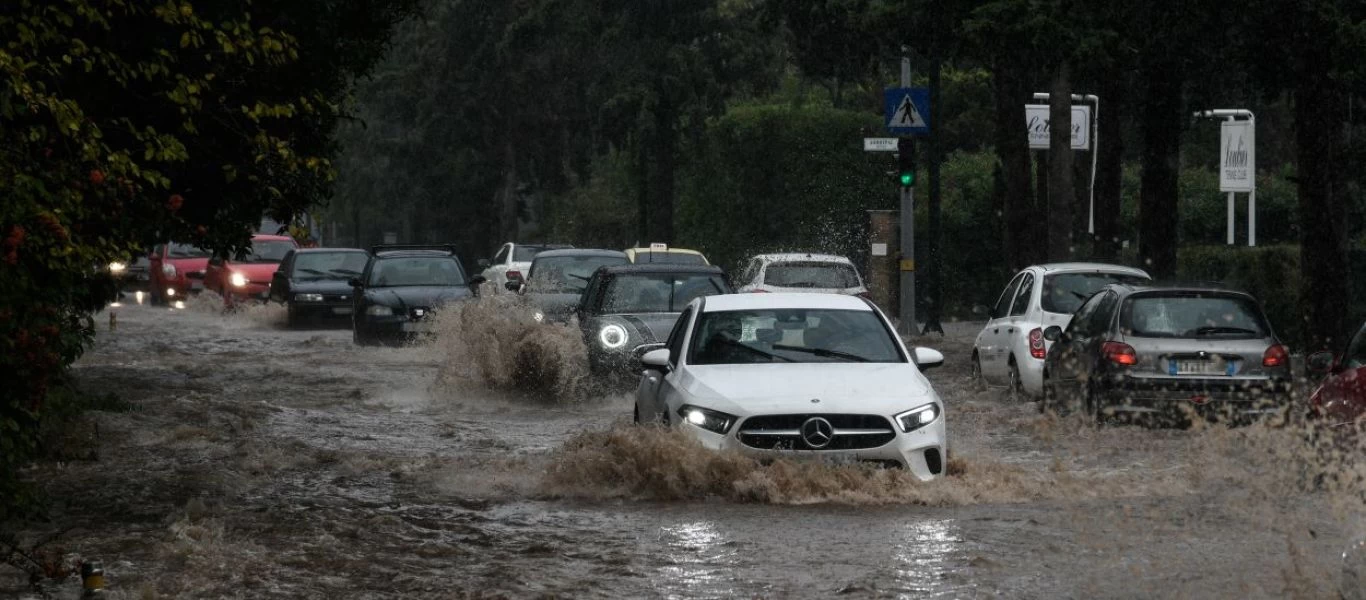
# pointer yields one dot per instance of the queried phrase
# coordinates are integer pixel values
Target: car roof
(661, 268)
(267, 237)
(581, 252)
(540, 245)
(799, 256)
(1074, 267)
(318, 250)
(1213, 287)
(414, 252)
(669, 250)
(725, 302)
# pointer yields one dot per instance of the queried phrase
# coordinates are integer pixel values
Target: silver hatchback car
(1170, 352)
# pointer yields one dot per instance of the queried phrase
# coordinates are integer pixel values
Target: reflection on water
(699, 557)
(923, 555)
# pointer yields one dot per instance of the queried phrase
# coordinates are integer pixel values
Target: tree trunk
(934, 156)
(1061, 191)
(1012, 148)
(1039, 220)
(1325, 290)
(507, 219)
(1110, 169)
(661, 201)
(1161, 119)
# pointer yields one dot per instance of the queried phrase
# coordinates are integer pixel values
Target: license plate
(416, 327)
(341, 310)
(1196, 367)
(197, 285)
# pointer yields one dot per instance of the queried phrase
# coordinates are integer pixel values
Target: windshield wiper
(822, 352)
(770, 355)
(1221, 329)
(310, 271)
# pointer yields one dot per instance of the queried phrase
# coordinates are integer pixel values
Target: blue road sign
(907, 110)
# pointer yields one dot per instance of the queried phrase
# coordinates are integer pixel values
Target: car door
(990, 342)
(279, 281)
(1014, 337)
(669, 385)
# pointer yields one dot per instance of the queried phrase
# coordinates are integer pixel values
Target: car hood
(320, 286)
(554, 304)
(255, 272)
(646, 328)
(427, 296)
(772, 388)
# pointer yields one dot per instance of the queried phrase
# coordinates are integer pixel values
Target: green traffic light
(908, 179)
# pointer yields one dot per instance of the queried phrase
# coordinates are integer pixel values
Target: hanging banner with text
(1036, 118)
(1238, 159)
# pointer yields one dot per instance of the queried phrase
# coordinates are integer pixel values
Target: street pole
(907, 263)
(934, 275)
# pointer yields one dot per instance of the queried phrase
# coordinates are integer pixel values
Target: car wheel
(1014, 392)
(635, 414)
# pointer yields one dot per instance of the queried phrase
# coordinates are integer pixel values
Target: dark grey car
(1168, 352)
(557, 278)
(627, 307)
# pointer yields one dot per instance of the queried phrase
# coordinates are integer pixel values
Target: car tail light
(1119, 353)
(1036, 346)
(1275, 356)
(511, 274)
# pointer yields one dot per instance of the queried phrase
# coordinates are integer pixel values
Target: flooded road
(260, 462)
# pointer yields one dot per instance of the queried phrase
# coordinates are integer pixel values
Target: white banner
(1036, 119)
(1237, 156)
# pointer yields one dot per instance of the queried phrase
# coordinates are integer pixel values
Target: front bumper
(922, 451)
(340, 311)
(393, 327)
(1213, 399)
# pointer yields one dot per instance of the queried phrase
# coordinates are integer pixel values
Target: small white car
(1011, 349)
(512, 261)
(801, 272)
(806, 375)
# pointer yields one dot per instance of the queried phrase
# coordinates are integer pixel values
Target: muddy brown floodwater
(260, 462)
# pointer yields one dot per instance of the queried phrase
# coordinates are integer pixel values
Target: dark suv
(400, 288)
(1168, 351)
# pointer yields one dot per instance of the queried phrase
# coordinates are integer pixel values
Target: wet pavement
(262, 462)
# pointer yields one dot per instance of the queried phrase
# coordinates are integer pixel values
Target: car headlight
(117, 267)
(612, 336)
(168, 270)
(238, 280)
(379, 310)
(711, 420)
(308, 297)
(539, 316)
(917, 417)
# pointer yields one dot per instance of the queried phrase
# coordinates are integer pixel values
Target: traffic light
(905, 161)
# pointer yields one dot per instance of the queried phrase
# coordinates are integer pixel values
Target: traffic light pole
(907, 262)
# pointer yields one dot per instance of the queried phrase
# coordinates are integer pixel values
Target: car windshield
(416, 270)
(669, 258)
(269, 251)
(566, 274)
(1189, 315)
(527, 253)
(658, 292)
(177, 250)
(827, 275)
(1065, 292)
(791, 335)
(309, 266)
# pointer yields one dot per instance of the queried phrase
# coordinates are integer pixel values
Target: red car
(249, 278)
(175, 271)
(1340, 400)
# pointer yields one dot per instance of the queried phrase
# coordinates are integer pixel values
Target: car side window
(1003, 303)
(502, 254)
(751, 273)
(1105, 313)
(1080, 327)
(1022, 296)
(676, 336)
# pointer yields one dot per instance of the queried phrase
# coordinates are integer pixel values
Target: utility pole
(907, 263)
(934, 275)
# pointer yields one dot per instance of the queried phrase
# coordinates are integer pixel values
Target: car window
(309, 266)
(791, 335)
(1356, 351)
(268, 251)
(1080, 326)
(676, 336)
(1063, 293)
(177, 250)
(566, 274)
(658, 292)
(1022, 296)
(1192, 315)
(1003, 302)
(416, 270)
(502, 255)
(811, 274)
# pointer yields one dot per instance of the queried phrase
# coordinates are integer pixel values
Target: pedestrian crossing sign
(907, 110)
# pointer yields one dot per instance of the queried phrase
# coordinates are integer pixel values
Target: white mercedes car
(796, 375)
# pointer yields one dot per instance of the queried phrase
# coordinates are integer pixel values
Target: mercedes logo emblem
(817, 433)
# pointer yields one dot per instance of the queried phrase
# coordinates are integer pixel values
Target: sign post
(1085, 134)
(908, 113)
(1237, 163)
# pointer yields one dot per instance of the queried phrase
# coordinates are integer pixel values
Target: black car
(557, 278)
(1167, 352)
(627, 307)
(314, 283)
(401, 286)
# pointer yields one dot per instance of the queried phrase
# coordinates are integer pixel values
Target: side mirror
(483, 263)
(927, 358)
(1053, 333)
(657, 359)
(1320, 363)
(353, 282)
